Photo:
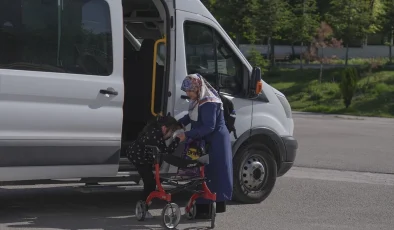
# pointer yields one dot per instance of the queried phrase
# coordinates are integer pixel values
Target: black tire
(258, 152)
(140, 210)
(191, 215)
(213, 215)
(177, 213)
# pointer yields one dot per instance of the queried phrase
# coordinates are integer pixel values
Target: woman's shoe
(220, 206)
(203, 211)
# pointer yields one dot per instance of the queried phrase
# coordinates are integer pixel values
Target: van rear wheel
(255, 172)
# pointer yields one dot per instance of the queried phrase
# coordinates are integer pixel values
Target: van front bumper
(290, 145)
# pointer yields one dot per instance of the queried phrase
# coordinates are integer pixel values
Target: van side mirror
(256, 83)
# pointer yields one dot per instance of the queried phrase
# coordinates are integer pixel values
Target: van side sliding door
(61, 88)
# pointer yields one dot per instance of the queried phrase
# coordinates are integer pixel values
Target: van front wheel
(254, 173)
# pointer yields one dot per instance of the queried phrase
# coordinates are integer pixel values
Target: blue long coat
(211, 127)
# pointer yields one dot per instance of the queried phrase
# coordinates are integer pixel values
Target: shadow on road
(68, 208)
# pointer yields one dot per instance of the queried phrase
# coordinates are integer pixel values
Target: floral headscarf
(196, 83)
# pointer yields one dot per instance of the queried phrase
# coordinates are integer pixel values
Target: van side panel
(58, 125)
(271, 115)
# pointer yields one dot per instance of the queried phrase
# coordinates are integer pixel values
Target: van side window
(65, 36)
(208, 54)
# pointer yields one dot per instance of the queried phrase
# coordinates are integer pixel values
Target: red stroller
(171, 214)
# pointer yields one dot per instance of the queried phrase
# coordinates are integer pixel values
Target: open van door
(203, 47)
(61, 89)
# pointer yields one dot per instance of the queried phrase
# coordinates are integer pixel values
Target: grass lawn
(374, 95)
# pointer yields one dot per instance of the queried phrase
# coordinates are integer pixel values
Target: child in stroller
(171, 213)
(155, 133)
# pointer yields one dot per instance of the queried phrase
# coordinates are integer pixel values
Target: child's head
(168, 125)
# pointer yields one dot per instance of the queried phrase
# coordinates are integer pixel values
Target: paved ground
(345, 143)
(296, 204)
(325, 193)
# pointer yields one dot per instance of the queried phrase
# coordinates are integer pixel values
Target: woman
(207, 123)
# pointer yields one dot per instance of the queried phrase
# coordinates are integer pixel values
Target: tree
(235, 16)
(323, 6)
(351, 19)
(376, 8)
(304, 22)
(348, 85)
(273, 20)
(256, 59)
(324, 38)
(386, 19)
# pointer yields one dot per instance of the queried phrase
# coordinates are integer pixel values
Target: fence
(364, 52)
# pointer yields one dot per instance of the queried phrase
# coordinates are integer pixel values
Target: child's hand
(181, 136)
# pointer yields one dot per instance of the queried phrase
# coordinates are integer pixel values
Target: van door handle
(109, 92)
(185, 97)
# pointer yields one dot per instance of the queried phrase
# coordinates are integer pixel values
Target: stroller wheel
(171, 216)
(191, 215)
(213, 214)
(140, 210)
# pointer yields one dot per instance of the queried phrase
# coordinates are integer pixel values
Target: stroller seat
(185, 163)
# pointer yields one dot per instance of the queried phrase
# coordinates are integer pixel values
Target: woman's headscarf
(206, 93)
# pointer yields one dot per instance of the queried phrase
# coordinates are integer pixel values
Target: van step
(120, 177)
(113, 187)
(131, 177)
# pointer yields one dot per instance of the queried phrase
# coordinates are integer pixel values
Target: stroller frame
(160, 193)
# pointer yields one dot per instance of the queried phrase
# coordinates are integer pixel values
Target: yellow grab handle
(152, 104)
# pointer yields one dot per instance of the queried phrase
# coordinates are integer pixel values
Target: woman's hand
(181, 136)
(180, 126)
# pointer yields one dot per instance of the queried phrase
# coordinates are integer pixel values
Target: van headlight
(285, 105)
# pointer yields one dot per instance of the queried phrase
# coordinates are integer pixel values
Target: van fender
(261, 131)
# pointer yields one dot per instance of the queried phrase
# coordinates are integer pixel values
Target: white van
(80, 78)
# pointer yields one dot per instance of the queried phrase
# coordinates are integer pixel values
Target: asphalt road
(325, 193)
(295, 204)
(345, 143)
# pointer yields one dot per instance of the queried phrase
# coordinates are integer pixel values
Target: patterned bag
(193, 150)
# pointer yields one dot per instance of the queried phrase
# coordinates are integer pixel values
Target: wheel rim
(253, 173)
(171, 216)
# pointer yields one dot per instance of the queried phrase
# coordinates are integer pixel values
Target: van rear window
(67, 36)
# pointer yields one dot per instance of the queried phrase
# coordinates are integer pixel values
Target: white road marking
(343, 176)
